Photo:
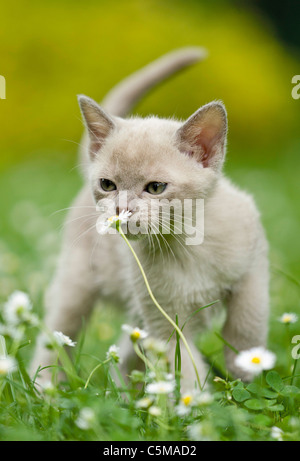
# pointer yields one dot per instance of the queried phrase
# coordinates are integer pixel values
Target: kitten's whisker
(82, 234)
(93, 250)
(182, 220)
(157, 239)
(92, 215)
(177, 239)
(168, 248)
(73, 208)
(72, 141)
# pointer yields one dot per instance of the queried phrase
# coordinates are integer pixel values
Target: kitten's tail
(122, 98)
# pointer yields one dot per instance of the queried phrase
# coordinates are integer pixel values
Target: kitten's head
(136, 164)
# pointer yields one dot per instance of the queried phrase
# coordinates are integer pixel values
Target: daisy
(113, 353)
(63, 340)
(135, 333)
(155, 345)
(160, 387)
(85, 419)
(203, 398)
(255, 360)
(7, 365)
(47, 388)
(144, 403)
(17, 308)
(276, 433)
(199, 432)
(288, 317)
(113, 221)
(154, 411)
(185, 405)
(11, 331)
(193, 399)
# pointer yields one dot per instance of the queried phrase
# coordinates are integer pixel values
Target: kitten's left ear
(98, 123)
(203, 135)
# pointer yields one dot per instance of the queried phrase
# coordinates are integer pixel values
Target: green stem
(93, 371)
(142, 357)
(294, 371)
(159, 307)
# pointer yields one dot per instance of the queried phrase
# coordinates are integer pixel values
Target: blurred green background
(51, 51)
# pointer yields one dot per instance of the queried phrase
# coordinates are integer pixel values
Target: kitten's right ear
(98, 123)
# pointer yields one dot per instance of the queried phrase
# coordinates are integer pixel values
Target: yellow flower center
(256, 360)
(286, 319)
(186, 400)
(135, 335)
(112, 218)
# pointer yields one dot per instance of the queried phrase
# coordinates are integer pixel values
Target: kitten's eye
(107, 185)
(156, 188)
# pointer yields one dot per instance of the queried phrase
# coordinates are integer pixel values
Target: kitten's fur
(230, 265)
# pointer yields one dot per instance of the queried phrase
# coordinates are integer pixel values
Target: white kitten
(152, 159)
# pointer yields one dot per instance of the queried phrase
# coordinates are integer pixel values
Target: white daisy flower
(155, 345)
(203, 398)
(48, 387)
(169, 377)
(63, 340)
(122, 218)
(11, 331)
(193, 399)
(85, 419)
(17, 308)
(276, 433)
(135, 333)
(288, 317)
(255, 360)
(160, 387)
(154, 411)
(144, 403)
(199, 432)
(113, 353)
(183, 408)
(7, 365)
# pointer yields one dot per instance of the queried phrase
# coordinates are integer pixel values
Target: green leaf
(271, 402)
(265, 392)
(254, 388)
(262, 420)
(290, 391)
(255, 404)
(240, 394)
(274, 380)
(277, 407)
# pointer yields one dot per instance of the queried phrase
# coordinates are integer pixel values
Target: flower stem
(143, 357)
(93, 371)
(159, 306)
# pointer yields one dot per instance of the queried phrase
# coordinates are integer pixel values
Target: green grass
(31, 230)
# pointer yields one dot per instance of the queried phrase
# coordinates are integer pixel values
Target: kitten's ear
(203, 135)
(98, 123)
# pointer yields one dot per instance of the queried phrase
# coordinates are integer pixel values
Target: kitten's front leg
(246, 325)
(74, 289)
(68, 300)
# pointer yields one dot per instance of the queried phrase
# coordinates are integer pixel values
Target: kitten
(153, 159)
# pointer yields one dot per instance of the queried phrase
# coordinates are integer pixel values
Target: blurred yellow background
(51, 51)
